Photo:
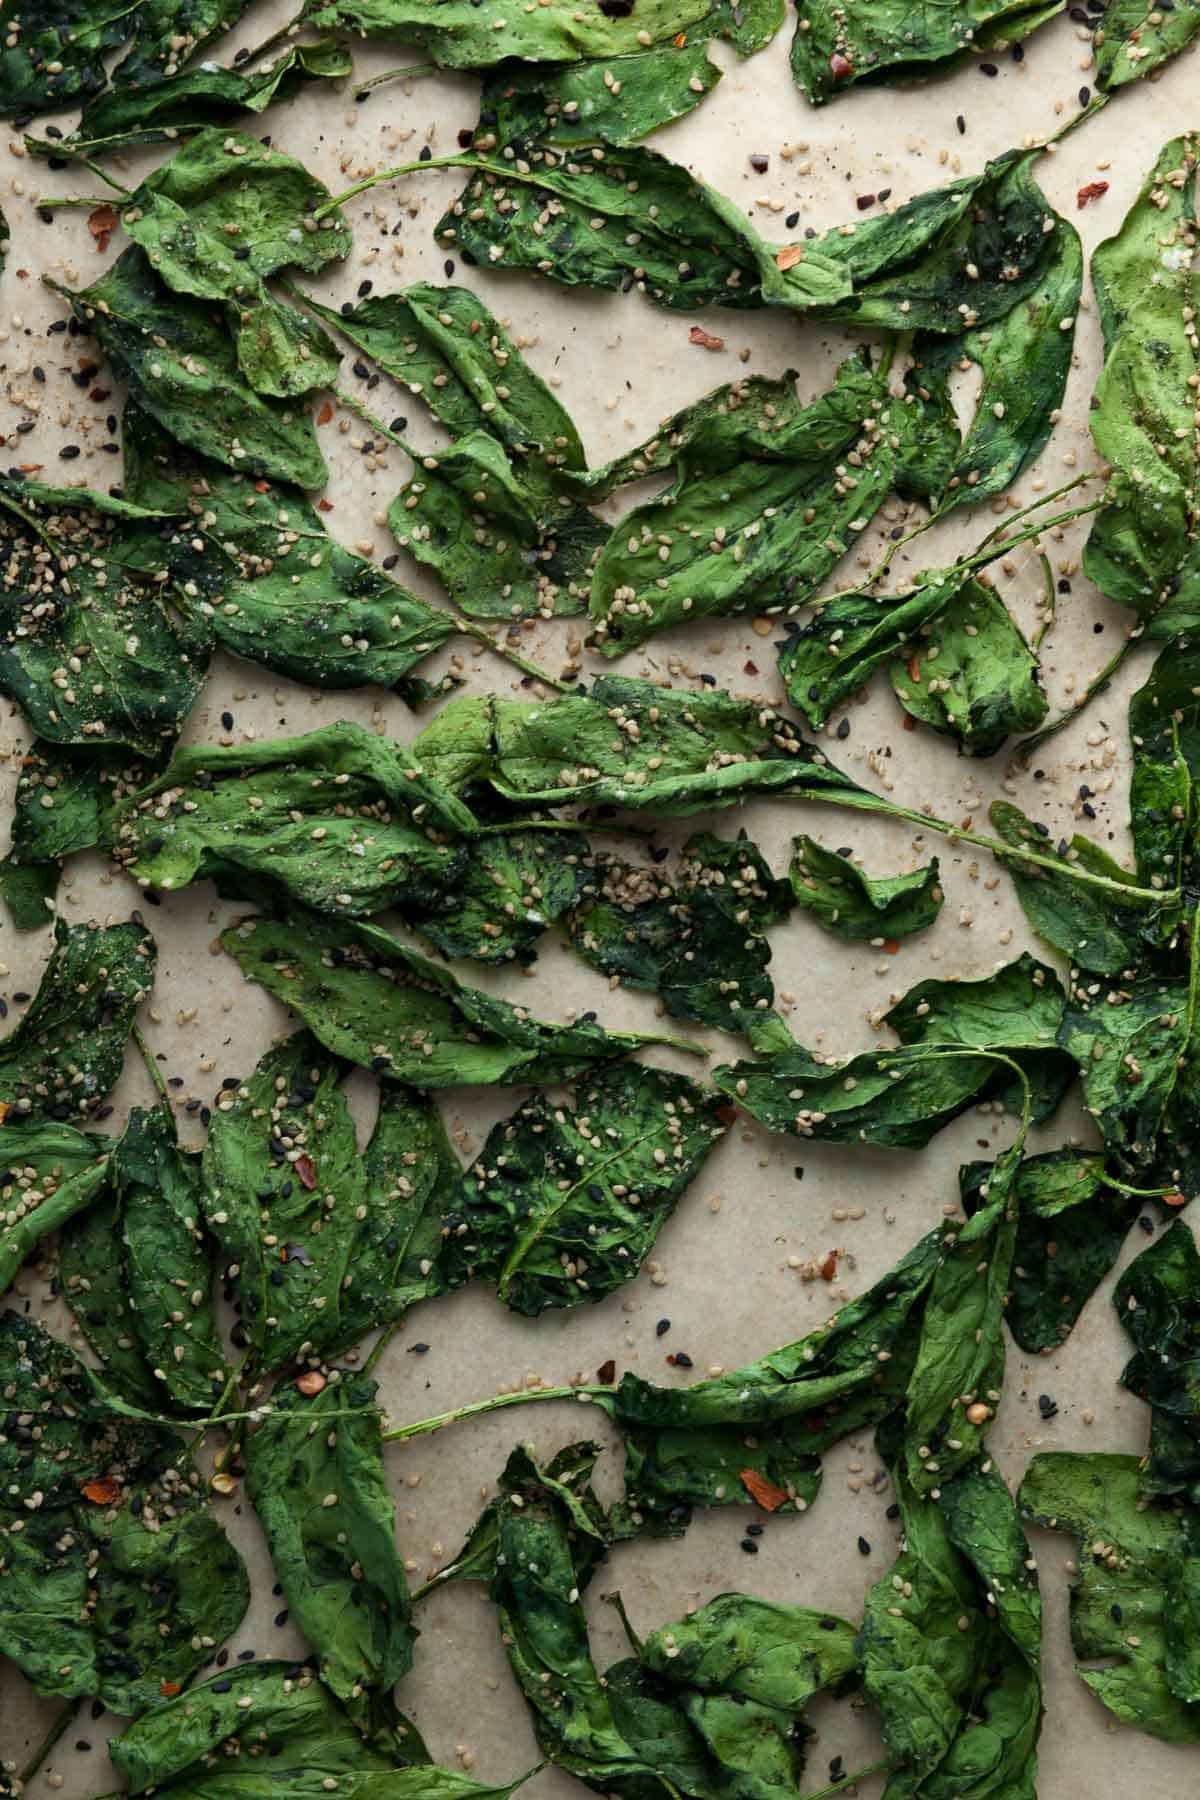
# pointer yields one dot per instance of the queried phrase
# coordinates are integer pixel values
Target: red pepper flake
(914, 668)
(102, 1490)
(310, 1383)
(1174, 1200)
(1091, 190)
(326, 413)
(99, 395)
(679, 40)
(102, 222)
(891, 946)
(306, 1169)
(324, 505)
(262, 487)
(908, 723)
(828, 1268)
(727, 1114)
(607, 1372)
(764, 1493)
(169, 1689)
(749, 668)
(705, 339)
(5, 1109)
(840, 67)
(864, 202)
(30, 468)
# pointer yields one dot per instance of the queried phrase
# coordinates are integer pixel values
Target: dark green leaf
(269, 581)
(1070, 1228)
(88, 647)
(1122, 1604)
(1164, 731)
(67, 1051)
(137, 1273)
(109, 1594)
(342, 819)
(751, 519)
(564, 1202)
(55, 1172)
(1132, 44)
(699, 943)
(511, 886)
(331, 1272)
(977, 678)
(56, 811)
(54, 58)
(162, 29)
(840, 42)
(855, 905)
(181, 1747)
(852, 635)
(628, 743)
(181, 366)
(382, 1003)
(1158, 1302)
(1131, 1044)
(1143, 548)
(687, 1447)
(336, 1558)
(620, 99)
(176, 105)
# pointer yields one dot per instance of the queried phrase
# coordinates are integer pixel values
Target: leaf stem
(1137, 1193)
(527, 1395)
(284, 33)
(377, 81)
(848, 1781)
(411, 168)
(381, 1343)
(60, 1725)
(46, 203)
(152, 1068)
(614, 1600)
(1095, 686)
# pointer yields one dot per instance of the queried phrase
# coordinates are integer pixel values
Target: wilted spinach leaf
(54, 58)
(54, 1173)
(687, 1447)
(1158, 1302)
(852, 635)
(117, 1573)
(1131, 44)
(67, 1051)
(1143, 550)
(1125, 1605)
(56, 811)
(509, 888)
(564, 1202)
(340, 818)
(314, 1471)
(620, 99)
(181, 366)
(354, 1236)
(839, 42)
(975, 678)
(699, 943)
(854, 905)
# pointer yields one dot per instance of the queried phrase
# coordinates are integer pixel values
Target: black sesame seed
(988, 69)
(843, 730)
(399, 425)
(1018, 53)
(417, 1349)
(1085, 96)
(749, 1546)
(281, 1618)
(1147, 1225)
(1046, 1407)
(962, 125)
(448, 267)
(662, 1328)
(893, 1511)
(69, 452)
(683, 1360)
(1115, 1611)
(364, 288)
(792, 220)
(864, 1548)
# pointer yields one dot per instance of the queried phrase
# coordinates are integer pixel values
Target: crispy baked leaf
(950, 1642)
(353, 1235)
(179, 1748)
(565, 1483)
(314, 1471)
(379, 1002)
(340, 818)
(158, 28)
(1125, 1603)
(971, 674)
(839, 42)
(67, 1050)
(509, 889)
(627, 743)
(110, 1596)
(564, 1202)
(854, 905)
(56, 811)
(501, 547)
(1158, 1302)
(620, 99)
(1095, 928)
(87, 647)
(1024, 358)
(181, 366)
(48, 1173)
(959, 1042)
(445, 347)
(1131, 44)
(267, 578)
(784, 512)
(461, 36)
(1132, 1055)
(1070, 1228)
(54, 58)
(687, 1447)
(716, 1702)
(1164, 734)
(1143, 550)
(699, 943)
(177, 105)
(961, 1355)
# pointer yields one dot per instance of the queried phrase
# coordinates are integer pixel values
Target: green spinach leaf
(55, 1173)
(840, 42)
(854, 905)
(971, 674)
(1158, 1302)
(1130, 44)
(509, 888)
(56, 811)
